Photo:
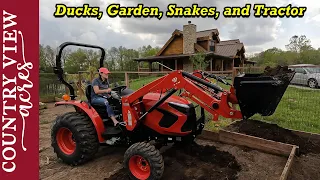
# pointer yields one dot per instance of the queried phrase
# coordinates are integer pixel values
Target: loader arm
(170, 84)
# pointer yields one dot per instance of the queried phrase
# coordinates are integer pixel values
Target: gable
(199, 48)
(175, 46)
(204, 44)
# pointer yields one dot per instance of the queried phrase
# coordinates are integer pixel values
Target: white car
(306, 74)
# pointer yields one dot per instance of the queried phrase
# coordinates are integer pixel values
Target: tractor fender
(81, 106)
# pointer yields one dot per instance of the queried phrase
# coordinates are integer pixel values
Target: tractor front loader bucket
(261, 93)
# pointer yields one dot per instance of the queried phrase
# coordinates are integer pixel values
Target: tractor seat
(89, 90)
(100, 108)
(88, 93)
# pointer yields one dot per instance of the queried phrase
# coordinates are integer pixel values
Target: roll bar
(58, 69)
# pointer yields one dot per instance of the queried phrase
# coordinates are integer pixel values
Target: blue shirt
(101, 84)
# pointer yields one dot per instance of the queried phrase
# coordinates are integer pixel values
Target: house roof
(206, 33)
(168, 57)
(232, 41)
(201, 34)
(228, 49)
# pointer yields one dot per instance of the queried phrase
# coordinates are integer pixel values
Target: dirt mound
(194, 163)
(305, 167)
(276, 71)
(274, 132)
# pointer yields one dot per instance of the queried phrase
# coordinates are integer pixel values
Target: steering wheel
(119, 88)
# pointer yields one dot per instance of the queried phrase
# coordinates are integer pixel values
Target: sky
(257, 34)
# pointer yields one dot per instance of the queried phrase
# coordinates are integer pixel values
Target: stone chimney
(189, 37)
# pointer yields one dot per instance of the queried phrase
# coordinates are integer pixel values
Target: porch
(183, 62)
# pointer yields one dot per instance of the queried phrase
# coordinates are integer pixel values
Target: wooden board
(288, 165)
(268, 146)
(234, 138)
(209, 135)
(261, 144)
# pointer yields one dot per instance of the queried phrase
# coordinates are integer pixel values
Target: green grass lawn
(298, 109)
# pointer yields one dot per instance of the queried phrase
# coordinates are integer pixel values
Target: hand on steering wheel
(119, 88)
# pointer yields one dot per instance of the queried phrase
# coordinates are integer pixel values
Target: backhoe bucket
(261, 93)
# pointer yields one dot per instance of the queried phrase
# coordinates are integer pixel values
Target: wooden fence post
(79, 86)
(126, 76)
(91, 76)
(234, 73)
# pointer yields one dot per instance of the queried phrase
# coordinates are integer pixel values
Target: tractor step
(105, 120)
(108, 119)
(111, 130)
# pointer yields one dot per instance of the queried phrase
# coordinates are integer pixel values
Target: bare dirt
(305, 167)
(274, 132)
(207, 160)
(254, 164)
(107, 162)
(195, 162)
(306, 164)
(214, 160)
(276, 71)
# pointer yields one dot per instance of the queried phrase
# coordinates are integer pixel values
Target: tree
(42, 59)
(199, 61)
(147, 51)
(299, 43)
(76, 61)
(112, 58)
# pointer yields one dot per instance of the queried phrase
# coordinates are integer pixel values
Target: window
(313, 70)
(211, 45)
(300, 70)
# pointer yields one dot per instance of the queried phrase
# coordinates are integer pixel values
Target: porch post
(233, 63)
(161, 67)
(211, 64)
(176, 64)
(138, 66)
(150, 66)
(242, 61)
(222, 65)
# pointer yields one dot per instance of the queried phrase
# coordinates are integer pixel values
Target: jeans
(100, 100)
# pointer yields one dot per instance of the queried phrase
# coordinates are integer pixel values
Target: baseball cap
(104, 70)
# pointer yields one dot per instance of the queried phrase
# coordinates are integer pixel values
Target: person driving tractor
(101, 86)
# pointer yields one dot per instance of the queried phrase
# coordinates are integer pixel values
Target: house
(176, 52)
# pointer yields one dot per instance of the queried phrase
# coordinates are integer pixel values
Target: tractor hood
(261, 93)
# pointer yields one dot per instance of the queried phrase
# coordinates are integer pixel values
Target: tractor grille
(190, 124)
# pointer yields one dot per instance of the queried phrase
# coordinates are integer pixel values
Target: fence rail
(298, 108)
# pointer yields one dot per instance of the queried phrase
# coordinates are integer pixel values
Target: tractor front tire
(143, 161)
(74, 138)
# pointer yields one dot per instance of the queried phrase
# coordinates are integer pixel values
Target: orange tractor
(158, 113)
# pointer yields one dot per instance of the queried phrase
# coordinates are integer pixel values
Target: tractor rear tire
(143, 161)
(74, 138)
